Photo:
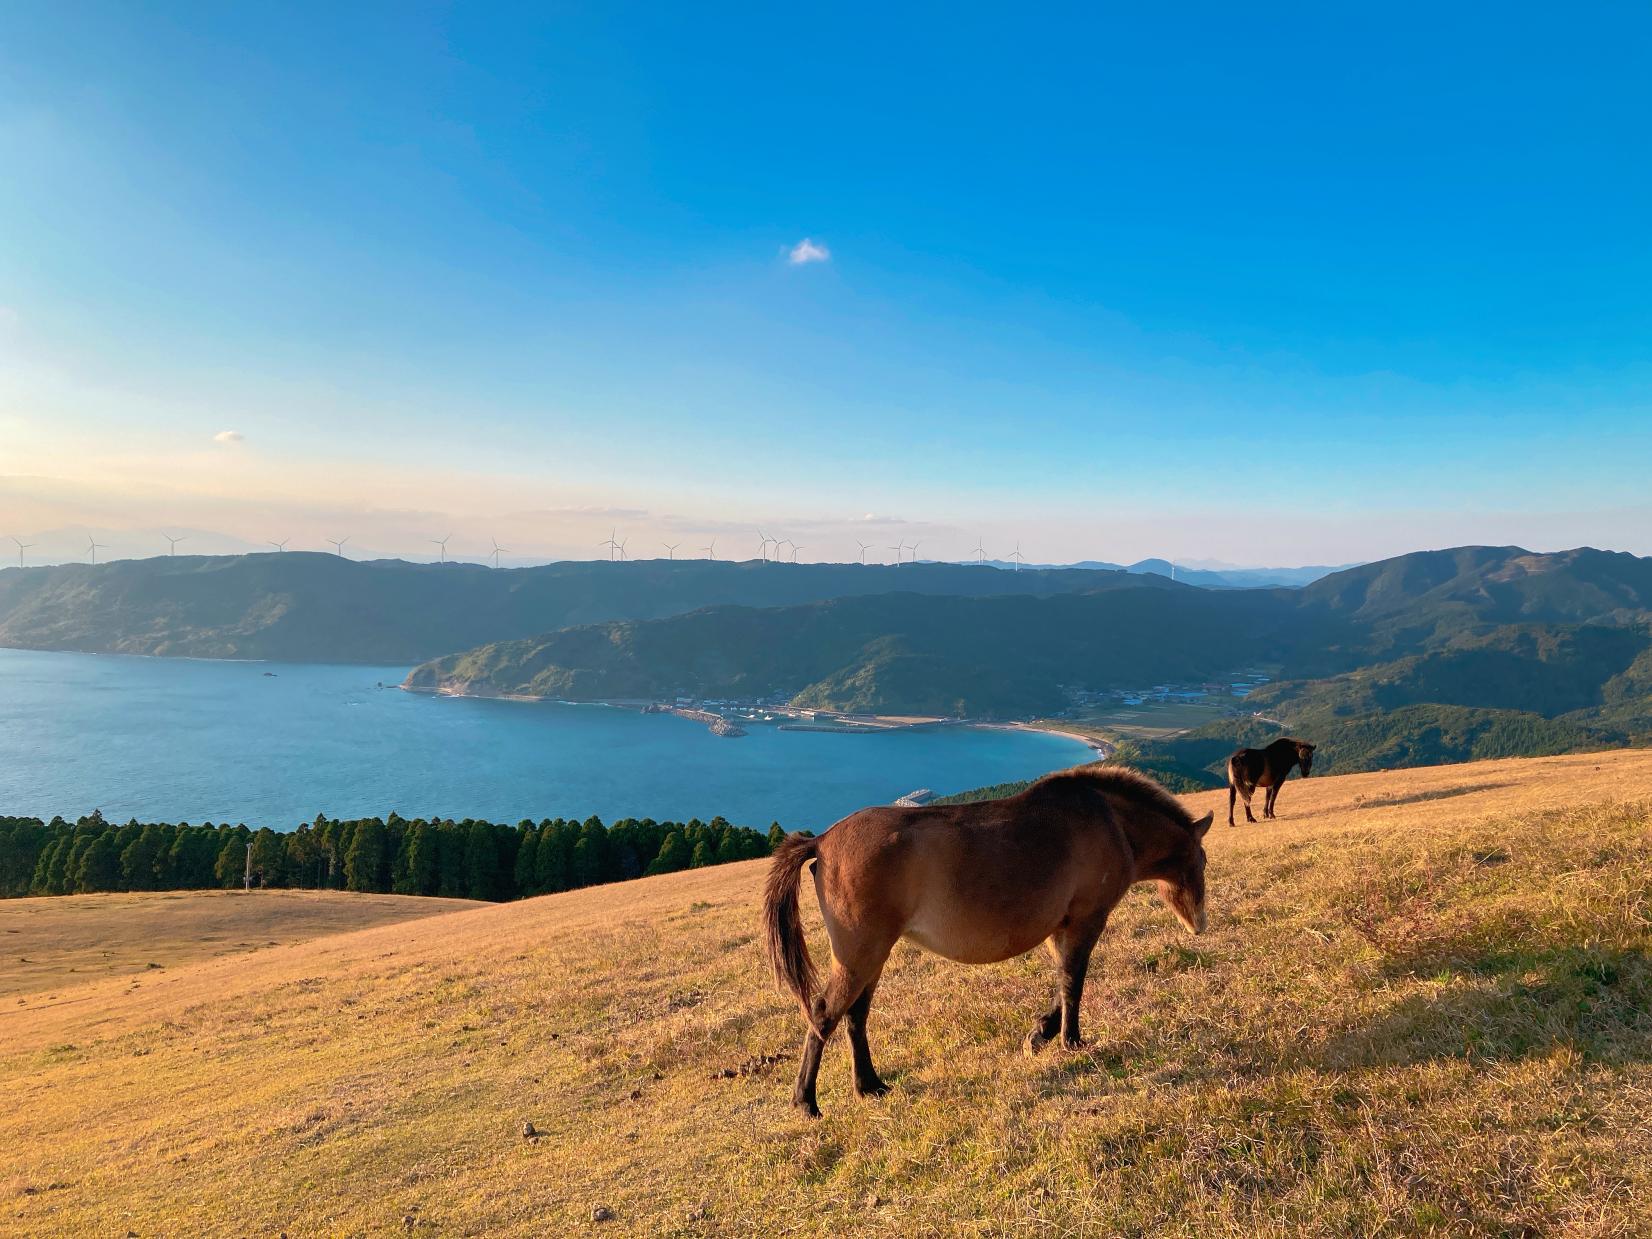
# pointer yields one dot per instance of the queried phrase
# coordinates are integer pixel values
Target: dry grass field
(69, 940)
(1422, 1008)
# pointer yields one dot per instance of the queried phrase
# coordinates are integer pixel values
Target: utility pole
(247, 879)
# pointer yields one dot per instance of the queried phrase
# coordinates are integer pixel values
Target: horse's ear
(1203, 824)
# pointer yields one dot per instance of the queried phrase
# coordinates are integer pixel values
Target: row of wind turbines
(93, 546)
(774, 550)
(769, 549)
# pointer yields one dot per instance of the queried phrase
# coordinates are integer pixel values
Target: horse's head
(1305, 757)
(1181, 877)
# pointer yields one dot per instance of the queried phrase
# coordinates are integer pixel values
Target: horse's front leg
(1267, 808)
(1071, 949)
(1043, 1032)
(1074, 967)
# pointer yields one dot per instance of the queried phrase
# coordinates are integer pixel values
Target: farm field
(1422, 1008)
(1151, 720)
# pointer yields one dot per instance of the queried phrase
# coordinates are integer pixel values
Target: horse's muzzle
(1194, 922)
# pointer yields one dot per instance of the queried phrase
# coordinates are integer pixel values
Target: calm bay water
(177, 739)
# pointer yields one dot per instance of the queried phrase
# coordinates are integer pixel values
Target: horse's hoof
(806, 1107)
(872, 1088)
(1035, 1042)
(1074, 1045)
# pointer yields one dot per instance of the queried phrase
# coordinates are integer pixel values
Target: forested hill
(1429, 599)
(1481, 626)
(466, 859)
(890, 653)
(308, 607)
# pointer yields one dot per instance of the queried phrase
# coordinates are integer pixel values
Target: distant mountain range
(1548, 652)
(1436, 655)
(1224, 577)
(312, 607)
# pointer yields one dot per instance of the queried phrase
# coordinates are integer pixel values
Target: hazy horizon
(55, 547)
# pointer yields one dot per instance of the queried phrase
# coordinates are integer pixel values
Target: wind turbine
(796, 550)
(173, 550)
(1017, 556)
(864, 547)
(671, 549)
(279, 546)
(763, 546)
(711, 551)
(338, 544)
(897, 548)
(496, 549)
(21, 547)
(94, 546)
(980, 553)
(914, 549)
(441, 542)
(621, 544)
(610, 544)
(778, 558)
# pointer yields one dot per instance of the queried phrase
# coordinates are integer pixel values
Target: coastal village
(729, 717)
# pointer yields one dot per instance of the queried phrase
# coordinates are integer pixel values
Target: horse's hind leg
(1267, 807)
(867, 1081)
(843, 987)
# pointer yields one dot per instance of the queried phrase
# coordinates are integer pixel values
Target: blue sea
(198, 741)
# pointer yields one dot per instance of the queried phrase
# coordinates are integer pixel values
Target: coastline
(1101, 748)
(845, 723)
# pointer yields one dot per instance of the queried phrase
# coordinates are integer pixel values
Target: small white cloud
(806, 251)
(228, 436)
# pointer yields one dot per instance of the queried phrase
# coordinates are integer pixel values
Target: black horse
(1249, 769)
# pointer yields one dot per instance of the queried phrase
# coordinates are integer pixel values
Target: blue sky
(1257, 284)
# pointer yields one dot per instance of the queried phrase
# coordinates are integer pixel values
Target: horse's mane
(1123, 782)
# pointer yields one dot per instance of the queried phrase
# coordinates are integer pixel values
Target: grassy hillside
(304, 607)
(67, 941)
(1423, 1007)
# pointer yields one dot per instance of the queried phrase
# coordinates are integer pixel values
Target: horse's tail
(1238, 776)
(788, 950)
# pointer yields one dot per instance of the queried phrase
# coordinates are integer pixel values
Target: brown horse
(1249, 769)
(977, 883)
